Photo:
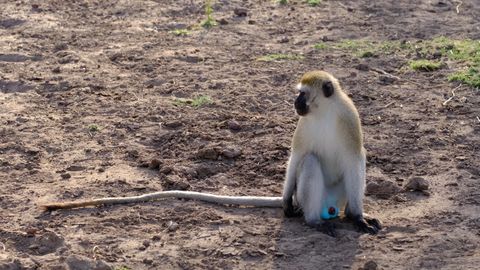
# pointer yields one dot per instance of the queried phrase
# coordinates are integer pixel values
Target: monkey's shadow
(302, 247)
(297, 246)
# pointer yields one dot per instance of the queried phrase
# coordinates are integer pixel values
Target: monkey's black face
(301, 104)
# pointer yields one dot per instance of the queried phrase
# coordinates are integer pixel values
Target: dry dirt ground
(88, 109)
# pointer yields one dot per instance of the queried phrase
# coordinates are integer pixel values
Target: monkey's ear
(327, 88)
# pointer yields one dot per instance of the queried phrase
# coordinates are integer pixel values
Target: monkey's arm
(256, 201)
(291, 175)
(290, 185)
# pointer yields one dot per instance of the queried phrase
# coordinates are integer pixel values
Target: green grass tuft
(279, 57)
(180, 32)
(321, 46)
(354, 45)
(123, 267)
(314, 2)
(195, 102)
(425, 65)
(282, 2)
(366, 54)
(470, 76)
(93, 128)
(468, 50)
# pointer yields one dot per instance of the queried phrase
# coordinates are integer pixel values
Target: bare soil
(87, 110)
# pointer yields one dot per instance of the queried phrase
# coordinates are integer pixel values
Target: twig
(342, 5)
(94, 251)
(5, 248)
(204, 236)
(450, 98)
(389, 104)
(458, 7)
(478, 119)
(393, 76)
(35, 261)
(385, 73)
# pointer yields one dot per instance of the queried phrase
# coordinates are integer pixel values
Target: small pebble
(231, 152)
(370, 265)
(173, 124)
(417, 184)
(172, 226)
(147, 261)
(207, 153)
(234, 125)
(386, 80)
(223, 21)
(362, 67)
(382, 188)
(166, 169)
(154, 164)
(240, 12)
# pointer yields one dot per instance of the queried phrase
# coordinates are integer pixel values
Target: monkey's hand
(290, 210)
(367, 225)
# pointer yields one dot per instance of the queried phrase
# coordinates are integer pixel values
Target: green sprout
(180, 32)
(93, 128)
(209, 21)
(279, 57)
(195, 102)
(314, 2)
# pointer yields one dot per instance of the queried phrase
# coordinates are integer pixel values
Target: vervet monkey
(327, 162)
(326, 169)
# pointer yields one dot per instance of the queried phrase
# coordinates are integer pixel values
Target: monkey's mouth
(302, 111)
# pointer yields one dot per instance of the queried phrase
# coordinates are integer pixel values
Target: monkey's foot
(367, 225)
(327, 228)
(374, 222)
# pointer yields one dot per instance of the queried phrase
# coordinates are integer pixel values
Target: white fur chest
(325, 144)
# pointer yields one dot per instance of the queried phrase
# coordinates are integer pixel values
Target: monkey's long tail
(256, 201)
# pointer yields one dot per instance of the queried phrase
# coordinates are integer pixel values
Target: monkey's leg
(354, 181)
(290, 186)
(311, 193)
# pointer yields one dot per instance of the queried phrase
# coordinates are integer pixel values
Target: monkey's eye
(327, 88)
